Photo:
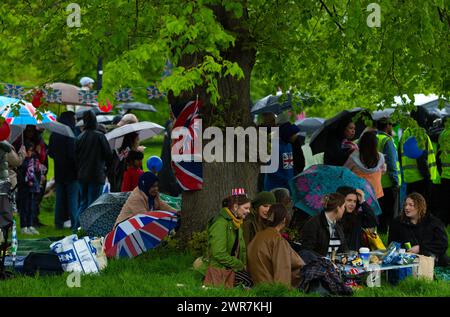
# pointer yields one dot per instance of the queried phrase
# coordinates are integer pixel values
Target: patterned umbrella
(27, 116)
(311, 185)
(139, 233)
(99, 218)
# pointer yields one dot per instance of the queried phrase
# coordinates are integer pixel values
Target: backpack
(42, 263)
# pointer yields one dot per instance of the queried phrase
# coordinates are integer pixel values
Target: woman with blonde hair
(421, 229)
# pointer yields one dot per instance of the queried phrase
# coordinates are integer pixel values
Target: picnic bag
(218, 277)
(373, 240)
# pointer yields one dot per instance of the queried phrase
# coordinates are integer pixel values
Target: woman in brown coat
(270, 258)
(143, 198)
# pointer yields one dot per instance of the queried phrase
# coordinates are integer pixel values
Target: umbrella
(139, 233)
(309, 187)
(380, 114)
(104, 119)
(270, 103)
(137, 106)
(99, 218)
(69, 94)
(320, 137)
(26, 117)
(309, 125)
(145, 130)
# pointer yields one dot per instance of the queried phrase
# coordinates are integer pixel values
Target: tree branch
(332, 16)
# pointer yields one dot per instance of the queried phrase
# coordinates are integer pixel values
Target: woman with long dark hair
(339, 144)
(367, 162)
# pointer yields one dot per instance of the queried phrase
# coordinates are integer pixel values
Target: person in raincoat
(270, 258)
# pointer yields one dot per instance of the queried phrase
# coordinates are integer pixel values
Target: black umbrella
(309, 125)
(320, 137)
(99, 218)
(271, 103)
(137, 106)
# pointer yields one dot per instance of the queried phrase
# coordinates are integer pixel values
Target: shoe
(25, 230)
(33, 230)
(67, 224)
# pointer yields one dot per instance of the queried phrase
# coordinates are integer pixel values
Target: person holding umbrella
(143, 198)
(340, 145)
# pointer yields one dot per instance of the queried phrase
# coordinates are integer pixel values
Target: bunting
(88, 96)
(13, 91)
(125, 94)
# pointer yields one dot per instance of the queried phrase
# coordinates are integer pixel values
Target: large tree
(329, 48)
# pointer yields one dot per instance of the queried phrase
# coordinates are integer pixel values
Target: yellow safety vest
(444, 146)
(386, 180)
(436, 181)
(411, 171)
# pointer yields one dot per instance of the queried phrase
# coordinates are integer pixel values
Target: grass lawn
(167, 271)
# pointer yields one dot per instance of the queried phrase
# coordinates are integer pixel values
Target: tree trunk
(219, 178)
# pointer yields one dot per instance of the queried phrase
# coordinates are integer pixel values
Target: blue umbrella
(309, 187)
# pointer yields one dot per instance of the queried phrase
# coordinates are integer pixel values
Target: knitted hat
(263, 198)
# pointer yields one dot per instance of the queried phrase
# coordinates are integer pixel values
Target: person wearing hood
(358, 216)
(62, 150)
(339, 143)
(257, 219)
(425, 233)
(143, 198)
(367, 162)
(93, 157)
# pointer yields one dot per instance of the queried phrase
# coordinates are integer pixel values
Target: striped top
(335, 242)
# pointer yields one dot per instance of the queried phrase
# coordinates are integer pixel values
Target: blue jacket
(390, 158)
(285, 171)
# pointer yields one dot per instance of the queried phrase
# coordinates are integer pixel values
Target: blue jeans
(67, 199)
(89, 192)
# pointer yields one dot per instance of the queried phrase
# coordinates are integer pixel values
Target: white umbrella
(145, 129)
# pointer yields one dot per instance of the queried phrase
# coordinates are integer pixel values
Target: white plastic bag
(85, 255)
(66, 253)
(100, 255)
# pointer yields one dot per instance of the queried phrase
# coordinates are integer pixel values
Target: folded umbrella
(145, 129)
(309, 187)
(139, 233)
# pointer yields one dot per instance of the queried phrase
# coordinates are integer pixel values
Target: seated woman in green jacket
(226, 246)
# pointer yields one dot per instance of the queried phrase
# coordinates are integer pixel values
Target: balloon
(154, 164)
(411, 148)
(4, 131)
(37, 99)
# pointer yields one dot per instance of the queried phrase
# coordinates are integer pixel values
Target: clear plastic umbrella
(145, 129)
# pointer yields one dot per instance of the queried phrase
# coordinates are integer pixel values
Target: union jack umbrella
(139, 233)
(28, 116)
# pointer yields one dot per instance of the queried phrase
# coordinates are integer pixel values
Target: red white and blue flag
(139, 233)
(188, 173)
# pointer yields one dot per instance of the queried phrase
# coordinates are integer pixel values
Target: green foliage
(198, 244)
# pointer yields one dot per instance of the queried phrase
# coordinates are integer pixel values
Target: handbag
(373, 240)
(218, 277)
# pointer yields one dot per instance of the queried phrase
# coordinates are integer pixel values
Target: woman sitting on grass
(226, 246)
(358, 216)
(143, 198)
(270, 258)
(422, 230)
(323, 233)
(257, 218)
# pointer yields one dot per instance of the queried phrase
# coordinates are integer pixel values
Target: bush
(199, 243)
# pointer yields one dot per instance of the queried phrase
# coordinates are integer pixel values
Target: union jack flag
(13, 91)
(288, 160)
(188, 173)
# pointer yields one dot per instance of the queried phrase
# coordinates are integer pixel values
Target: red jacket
(130, 179)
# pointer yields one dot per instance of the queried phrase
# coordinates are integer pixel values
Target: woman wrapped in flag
(143, 221)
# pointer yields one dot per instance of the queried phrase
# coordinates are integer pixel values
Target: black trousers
(439, 201)
(389, 204)
(422, 187)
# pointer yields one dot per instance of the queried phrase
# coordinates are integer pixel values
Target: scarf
(236, 222)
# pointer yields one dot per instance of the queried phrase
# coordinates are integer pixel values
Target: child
(33, 172)
(134, 170)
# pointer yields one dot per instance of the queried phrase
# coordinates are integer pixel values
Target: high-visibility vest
(444, 146)
(436, 181)
(386, 180)
(411, 171)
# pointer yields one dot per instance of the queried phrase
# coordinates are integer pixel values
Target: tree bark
(219, 178)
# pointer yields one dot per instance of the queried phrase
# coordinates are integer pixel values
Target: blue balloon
(154, 164)
(411, 148)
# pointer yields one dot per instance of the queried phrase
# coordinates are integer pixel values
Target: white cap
(86, 81)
